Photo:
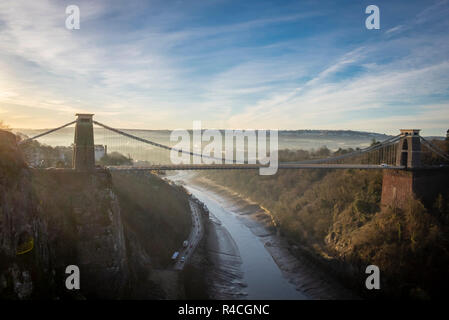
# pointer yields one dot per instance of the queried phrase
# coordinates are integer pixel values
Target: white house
(100, 151)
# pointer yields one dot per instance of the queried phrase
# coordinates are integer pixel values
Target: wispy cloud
(396, 29)
(403, 86)
(158, 65)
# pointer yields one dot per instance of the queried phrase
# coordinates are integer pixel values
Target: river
(261, 276)
(252, 262)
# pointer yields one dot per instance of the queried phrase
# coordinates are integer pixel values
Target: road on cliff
(194, 238)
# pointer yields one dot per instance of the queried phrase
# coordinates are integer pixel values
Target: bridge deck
(253, 167)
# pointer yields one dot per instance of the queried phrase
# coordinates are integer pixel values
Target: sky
(230, 64)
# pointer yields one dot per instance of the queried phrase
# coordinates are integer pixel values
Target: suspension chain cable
(435, 149)
(155, 143)
(47, 132)
(375, 147)
(383, 144)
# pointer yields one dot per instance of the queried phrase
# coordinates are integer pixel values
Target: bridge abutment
(399, 186)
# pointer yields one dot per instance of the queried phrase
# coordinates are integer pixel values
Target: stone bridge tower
(409, 149)
(83, 150)
(416, 181)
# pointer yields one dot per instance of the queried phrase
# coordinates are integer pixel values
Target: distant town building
(35, 158)
(100, 151)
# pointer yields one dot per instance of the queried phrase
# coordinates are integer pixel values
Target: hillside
(336, 216)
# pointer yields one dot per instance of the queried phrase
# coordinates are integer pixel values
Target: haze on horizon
(231, 64)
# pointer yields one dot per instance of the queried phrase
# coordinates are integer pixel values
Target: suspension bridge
(411, 164)
(408, 150)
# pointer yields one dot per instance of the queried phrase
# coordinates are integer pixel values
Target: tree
(374, 142)
(4, 126)
(115, 159)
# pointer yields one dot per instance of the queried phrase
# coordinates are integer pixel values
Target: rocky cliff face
(18, 221)
(50, 219)
(84, 226)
